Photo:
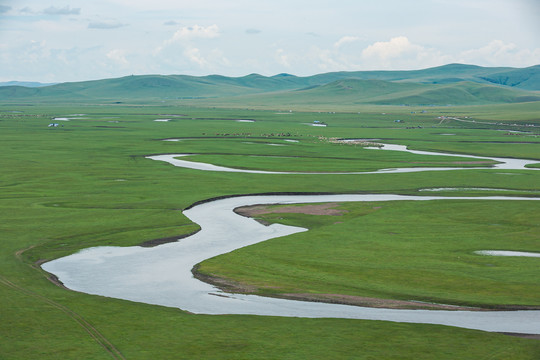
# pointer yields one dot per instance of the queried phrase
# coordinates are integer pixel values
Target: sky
(76, 40)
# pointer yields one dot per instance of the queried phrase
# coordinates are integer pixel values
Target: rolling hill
(528, 78)
(455, 84)
(379, 92)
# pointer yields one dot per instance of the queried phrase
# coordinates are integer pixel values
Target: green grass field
(86, 183)
(399, 250)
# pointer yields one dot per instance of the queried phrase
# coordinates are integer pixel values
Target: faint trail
(90, 329)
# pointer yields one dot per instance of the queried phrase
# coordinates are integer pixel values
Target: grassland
(86, 183)
(398, 250)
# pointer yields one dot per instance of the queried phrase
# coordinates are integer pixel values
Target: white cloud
(396, 47)
(208, 60)
(196, 32)
(36, 50)
(282, 58)
(184, 38)
(324, 59)
(495, 48)
(118, 56)
(194, 55)
(160, 36)
(37, 59)
(4, 9)
(499, 53)
(400, 53)
(345, 40)
(53, 10)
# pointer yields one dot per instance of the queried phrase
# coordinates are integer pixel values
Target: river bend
(162, 275)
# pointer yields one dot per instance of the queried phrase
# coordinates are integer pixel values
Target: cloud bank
(42, 42)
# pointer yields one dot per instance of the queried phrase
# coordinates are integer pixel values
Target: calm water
(504, 163)
(162, 275)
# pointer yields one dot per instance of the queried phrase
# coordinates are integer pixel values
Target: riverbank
(234, 287)
(333, 210)
(162, 275)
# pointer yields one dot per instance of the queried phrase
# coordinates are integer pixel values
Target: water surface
(162, 275)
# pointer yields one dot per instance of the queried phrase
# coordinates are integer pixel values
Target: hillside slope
(449, 84)
(378, 92)
(528, 78)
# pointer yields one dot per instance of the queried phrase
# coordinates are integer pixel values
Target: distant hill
(150, 87)
(450, 73)
(528, 78)
(448, 84)
(379, 92)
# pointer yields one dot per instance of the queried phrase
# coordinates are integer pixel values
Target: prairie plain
(85, 182)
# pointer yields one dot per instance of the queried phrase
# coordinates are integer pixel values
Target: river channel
(502, 163)
(162, 275)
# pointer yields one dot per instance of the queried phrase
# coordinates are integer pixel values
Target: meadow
(86, 182)
(422, 251)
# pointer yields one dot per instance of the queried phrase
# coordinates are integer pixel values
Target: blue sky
(56, 41)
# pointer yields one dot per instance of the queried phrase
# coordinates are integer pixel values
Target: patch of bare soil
(310, 209)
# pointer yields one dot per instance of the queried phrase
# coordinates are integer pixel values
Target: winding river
(502, 163)
(162, 275)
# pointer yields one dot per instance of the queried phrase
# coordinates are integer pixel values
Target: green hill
(150, 87)
(449, 84)
(528, 78)
(348, 91)
(450, 73)
(354, 91)
(462, 93)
